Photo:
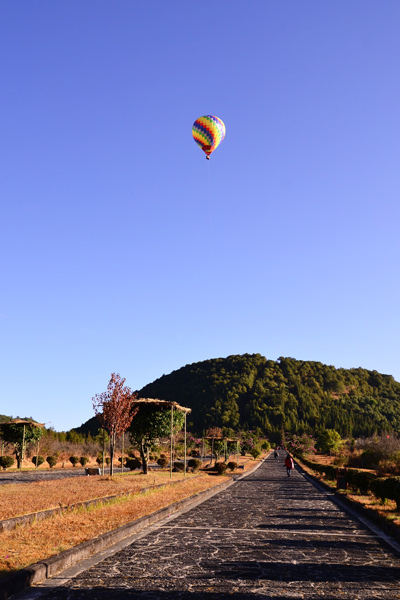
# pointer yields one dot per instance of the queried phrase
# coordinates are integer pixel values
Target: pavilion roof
(23, 422)
(162, 403)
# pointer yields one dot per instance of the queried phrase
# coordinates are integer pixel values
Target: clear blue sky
(123, 249)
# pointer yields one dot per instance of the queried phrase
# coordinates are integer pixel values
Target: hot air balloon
(208, 132)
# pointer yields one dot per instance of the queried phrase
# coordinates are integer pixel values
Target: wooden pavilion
(173, 406)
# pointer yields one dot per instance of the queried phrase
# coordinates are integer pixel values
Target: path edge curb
(37, 572)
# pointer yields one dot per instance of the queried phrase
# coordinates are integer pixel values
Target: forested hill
(251, 392)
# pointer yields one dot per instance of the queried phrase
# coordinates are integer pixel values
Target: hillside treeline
(251, 392)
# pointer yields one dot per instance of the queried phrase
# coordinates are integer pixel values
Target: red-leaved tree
(113, 408)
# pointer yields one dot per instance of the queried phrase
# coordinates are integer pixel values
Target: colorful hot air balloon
(208, 132)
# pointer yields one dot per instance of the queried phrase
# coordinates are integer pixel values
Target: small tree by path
(113, 408)
(151, 423)
(19, 433)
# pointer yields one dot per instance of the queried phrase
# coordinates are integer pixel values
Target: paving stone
(267, 536)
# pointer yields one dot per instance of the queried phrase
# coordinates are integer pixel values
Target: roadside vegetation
(366, 470)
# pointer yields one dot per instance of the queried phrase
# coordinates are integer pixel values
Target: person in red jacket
(289, 464)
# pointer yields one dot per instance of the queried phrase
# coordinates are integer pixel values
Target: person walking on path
(276, 454)
(289, 464)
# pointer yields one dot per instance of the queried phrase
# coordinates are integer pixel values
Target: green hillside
(251, 392)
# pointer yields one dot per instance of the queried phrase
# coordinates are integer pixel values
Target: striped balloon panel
(208, 132)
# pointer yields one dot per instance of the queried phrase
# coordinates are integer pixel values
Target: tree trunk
(143, 457)
(112, 447)
(18, 456)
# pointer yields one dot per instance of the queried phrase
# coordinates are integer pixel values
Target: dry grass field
(31, 543)
(25, 498)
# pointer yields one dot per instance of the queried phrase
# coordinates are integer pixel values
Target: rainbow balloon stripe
(208, 132)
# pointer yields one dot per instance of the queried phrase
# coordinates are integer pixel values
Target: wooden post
(184, 465)
(37, 454)
(172, 435)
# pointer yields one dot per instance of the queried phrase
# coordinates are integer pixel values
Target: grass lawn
(31, 543)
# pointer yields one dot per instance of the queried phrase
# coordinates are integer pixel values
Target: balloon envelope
(208, 132)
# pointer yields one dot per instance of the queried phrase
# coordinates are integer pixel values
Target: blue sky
(124, 250)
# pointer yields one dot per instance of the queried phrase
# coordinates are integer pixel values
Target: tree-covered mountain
(251, 392)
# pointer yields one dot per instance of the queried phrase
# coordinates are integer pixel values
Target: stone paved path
(268, 536)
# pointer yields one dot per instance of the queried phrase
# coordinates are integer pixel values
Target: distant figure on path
(289, 464)
(276, 454)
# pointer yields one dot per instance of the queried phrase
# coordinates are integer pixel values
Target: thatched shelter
(173, 406)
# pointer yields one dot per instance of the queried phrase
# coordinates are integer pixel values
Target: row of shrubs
(193, 464)
(131, 463)
(7, 461)
(384, 488)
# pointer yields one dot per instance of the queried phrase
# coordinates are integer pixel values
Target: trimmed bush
(133, 463)
(73, 460)
(40, 460)
(381, 489)
(360, 480)
(255, 452)
(6, 462)
(52, 461)
(266, 446)
(194, 463)
(83, 460)
(232, 465)
(221, 467)
(99, 459)
(162, 461)
(393, 490)
(179, 466)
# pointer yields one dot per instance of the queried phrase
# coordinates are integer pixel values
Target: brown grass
(29, 544)
(25, 498)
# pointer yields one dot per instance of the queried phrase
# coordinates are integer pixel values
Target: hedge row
(384, 488)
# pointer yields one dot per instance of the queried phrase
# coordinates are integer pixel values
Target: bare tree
(113, 408)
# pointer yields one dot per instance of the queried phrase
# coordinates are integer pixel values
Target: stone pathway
(268, 536)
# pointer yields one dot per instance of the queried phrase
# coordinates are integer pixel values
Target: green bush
(381, 489)
(266, 445)
(6, 462)
(179, 466)
(83, 460)
(393, 490)
(40, 460)
(255, 452)
(194, 463)
(73, 460)
(133, 463)
(99, 459)
(360, 480)
(232, 465)
(162, 461)
(220, 467)
(370, 458)
(52, 461)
